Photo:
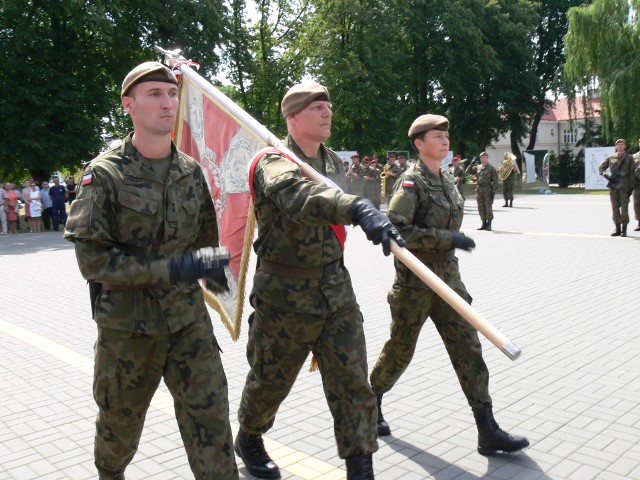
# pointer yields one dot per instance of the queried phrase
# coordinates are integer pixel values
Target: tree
(265, 56)
(601, 47)
(549, 55)
(65, 61)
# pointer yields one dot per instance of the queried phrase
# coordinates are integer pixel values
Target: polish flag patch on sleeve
(408, 183)
(87, 179)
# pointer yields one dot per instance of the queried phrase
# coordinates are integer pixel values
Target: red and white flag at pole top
(224, 147)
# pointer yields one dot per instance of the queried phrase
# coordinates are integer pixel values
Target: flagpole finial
(174, 59)
(171, 57)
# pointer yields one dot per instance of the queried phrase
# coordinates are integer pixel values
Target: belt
(119, 288)
(437, 257)
(305, 273)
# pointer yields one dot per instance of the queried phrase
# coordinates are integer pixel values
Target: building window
(570, 136)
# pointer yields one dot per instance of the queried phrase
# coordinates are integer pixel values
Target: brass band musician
(507, 173)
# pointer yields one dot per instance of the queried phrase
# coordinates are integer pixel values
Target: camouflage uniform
(507, 187)
(621, 191)
(125, 223)
(486, 187)
(296, 313)
(426, 208)
(356, 185)
(372, 188)
(459, 178)
(395, 172)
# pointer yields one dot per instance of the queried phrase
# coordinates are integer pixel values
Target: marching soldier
(302, 295)
(141, 225)
(428, 210)
(486, 187)
(621, 184)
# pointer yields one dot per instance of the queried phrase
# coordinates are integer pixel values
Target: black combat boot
(637, 229)
(624, 230)
(250, 448)
(117, 476)
(491, 438)
(487, 225)
(511, 203)
(383, 426)
(617, 232)
(483, 226)
(506, 203)
(359, 467)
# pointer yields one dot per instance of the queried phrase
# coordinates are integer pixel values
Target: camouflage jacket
(636, 158)
(458, 174)
(294, 214)
(356, 184)
(392, 176)
(425, 209)
(487, 178)
(623, 167)
(125, 223)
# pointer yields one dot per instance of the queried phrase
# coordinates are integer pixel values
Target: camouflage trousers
(636, 203)
(619, 205)
(507, 190)
(410, 307)
(323, 318)
(128, 370)
(485, 205)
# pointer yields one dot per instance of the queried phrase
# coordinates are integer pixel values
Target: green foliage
(602, 44)
(566, 169)
(65, 61)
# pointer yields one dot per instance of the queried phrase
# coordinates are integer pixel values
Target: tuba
(507, 166)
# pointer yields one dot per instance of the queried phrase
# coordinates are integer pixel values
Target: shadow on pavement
(443, 470)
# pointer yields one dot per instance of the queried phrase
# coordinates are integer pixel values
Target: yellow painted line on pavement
(287, 458)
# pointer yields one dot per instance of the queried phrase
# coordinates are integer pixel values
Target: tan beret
(621, 140)
(301, 95)
(147, 72)
(424, 123)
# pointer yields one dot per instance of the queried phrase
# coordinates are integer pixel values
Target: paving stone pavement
(549, 277)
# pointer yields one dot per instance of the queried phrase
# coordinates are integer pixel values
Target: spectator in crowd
(3, 209)
(25, 196)
(47, 206)
(35, 209)
(71, 190)
(58, 196)
(11, 207)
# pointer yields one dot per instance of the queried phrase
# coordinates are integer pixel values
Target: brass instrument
(383, 180)
(507, 166)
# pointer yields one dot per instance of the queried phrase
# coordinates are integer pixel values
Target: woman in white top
(35, 206)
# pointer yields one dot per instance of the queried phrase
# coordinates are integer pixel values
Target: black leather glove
(375, 224)
(195, 265)
(460, 240)
(216, 281)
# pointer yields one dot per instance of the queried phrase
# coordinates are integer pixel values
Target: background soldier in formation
(402, 163)
(486, 187)
(372, 181)
(140, 224)
(355, 176)
(302, 295)
(457, 171)
(621, 184)
(636, 190)
(507, 173)
(393, 172)
(428, 211)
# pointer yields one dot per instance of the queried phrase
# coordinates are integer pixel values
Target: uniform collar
(136, 166)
